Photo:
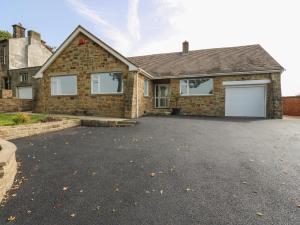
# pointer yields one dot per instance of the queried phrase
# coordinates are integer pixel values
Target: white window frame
(188, 89)
(60, 94)
(98, 77)
(22, 76)
(146, 87)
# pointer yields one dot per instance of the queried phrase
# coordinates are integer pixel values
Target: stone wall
(8, 166)
(6, 93)
(18, 131)
(291, 105)
(214, 105)
(146, 103)
(15, 105)
(82, 61)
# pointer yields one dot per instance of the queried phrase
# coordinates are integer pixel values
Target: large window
(64, 85)
(197, 86)
(146, 87)
(106, 83)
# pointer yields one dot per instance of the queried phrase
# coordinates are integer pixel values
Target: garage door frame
(247, 84)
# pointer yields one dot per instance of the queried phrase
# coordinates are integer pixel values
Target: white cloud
(121, 41)
(133, 22)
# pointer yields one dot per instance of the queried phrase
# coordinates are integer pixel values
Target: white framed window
(24, 77)
(196, 86)
(106, 83)
(146, 87)
(64, 85)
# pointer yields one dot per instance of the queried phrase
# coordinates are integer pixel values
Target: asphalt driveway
(163, 171)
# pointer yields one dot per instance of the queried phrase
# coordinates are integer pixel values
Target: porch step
(158, 113)
(100, 123)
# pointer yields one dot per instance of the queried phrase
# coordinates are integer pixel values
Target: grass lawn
(7, 119)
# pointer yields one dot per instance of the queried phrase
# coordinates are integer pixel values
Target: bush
(21, 118)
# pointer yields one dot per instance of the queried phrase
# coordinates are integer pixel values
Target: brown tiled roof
(208, 61)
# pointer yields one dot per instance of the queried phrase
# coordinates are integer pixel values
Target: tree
(4, 35)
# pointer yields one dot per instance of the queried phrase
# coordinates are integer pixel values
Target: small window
(106, 83)
(198, 86)
(24, 77)
(2, 55)
(146, 87)
(64, 85)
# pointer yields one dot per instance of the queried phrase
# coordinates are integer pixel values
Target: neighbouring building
(20, 58)
(86, 76)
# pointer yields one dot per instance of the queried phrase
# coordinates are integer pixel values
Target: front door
(162, 96)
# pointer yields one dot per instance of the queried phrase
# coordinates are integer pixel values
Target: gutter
(219, 74)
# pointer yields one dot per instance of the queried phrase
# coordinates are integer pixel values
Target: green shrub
(21, 118)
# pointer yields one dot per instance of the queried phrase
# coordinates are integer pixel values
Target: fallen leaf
(11, 218)
(73, 215)
(65, 188)
(259, 214)
(152, 174)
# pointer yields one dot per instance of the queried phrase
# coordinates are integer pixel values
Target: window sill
(103, 94)
(63, 95)
(196, 95)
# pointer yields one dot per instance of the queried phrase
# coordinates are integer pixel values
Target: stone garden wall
(18, 131)
(15, 105)
(8, 166)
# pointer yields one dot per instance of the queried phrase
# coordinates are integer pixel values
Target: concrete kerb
(8, 166)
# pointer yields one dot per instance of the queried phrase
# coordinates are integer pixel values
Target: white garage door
(24, 92)
(247, 101)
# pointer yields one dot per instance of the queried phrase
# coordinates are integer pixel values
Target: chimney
(18, 31)
(33, 37)
(185, 48)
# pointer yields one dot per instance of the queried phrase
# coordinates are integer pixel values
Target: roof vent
(185, 48)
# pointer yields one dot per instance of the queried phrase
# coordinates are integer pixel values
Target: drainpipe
(137, 96)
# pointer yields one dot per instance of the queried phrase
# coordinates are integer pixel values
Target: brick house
(86, 76)
(20, 58)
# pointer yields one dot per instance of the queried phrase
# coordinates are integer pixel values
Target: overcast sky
(136, 27)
